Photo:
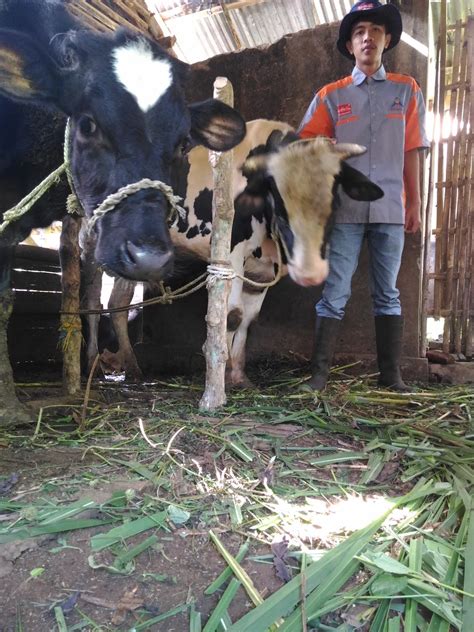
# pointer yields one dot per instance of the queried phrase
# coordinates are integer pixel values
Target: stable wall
(278, 82)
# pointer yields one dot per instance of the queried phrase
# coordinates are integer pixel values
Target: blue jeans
(385, 242)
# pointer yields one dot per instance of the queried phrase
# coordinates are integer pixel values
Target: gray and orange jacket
(386, 114)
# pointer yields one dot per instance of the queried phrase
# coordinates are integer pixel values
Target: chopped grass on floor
(371, 490)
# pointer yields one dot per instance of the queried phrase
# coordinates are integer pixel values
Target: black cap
(366, 10)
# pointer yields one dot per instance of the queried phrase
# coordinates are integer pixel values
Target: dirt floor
(46, 571)
(137, 454)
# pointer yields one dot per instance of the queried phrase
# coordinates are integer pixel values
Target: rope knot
(73, 205)
(166, 294)
(219, 270)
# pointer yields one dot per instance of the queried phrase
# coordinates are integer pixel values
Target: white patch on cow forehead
(145, 77)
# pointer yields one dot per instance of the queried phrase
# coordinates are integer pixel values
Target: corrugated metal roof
(204, 28)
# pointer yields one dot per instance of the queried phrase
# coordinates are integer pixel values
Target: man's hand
(411, 177)
(413, 217)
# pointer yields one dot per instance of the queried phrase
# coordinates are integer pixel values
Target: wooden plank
(35, 345)
(92, 18)
(36, 303)
(36, 253)
(36, 280)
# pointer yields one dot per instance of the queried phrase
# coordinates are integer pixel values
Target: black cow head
(297, 181)
(128, 117)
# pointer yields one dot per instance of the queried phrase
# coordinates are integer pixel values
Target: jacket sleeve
(415, 132)
(317, 120)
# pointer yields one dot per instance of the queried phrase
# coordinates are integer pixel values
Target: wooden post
(215, 347)
(71, 335)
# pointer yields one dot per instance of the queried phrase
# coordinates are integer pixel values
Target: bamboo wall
(448, 290)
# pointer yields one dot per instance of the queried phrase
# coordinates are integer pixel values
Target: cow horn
(348, 149)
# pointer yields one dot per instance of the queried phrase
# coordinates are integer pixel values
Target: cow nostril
(143, 262)
(133, 254)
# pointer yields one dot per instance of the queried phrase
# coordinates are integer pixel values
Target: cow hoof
(241, 384)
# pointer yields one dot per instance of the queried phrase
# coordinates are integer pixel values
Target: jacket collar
(359, 77)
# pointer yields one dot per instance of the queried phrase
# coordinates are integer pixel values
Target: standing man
(385, 113)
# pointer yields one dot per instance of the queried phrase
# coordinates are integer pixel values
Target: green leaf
(338, 457)
(468, 602)
(388, 585)
(221, 608)
(384, 563)
(227, 572)
(178, 515)
(127, 530)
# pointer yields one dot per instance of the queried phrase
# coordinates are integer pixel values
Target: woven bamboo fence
(448, 290)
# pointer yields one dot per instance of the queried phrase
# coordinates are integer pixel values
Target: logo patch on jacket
(345, 109)
(397, 105)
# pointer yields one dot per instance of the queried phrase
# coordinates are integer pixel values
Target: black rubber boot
(325, 335)
(389, 336)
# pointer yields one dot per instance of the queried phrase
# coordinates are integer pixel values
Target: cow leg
(252, 301)
(121, 296)
(245, 303)
(12, 412)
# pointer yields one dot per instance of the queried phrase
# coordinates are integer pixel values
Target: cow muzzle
(306, 277)
(143, 262)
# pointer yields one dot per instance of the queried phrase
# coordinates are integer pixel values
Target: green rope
(29, 200)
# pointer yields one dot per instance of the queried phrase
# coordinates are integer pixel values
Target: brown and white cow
(280, 184)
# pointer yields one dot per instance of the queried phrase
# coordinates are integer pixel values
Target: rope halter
(113, 199)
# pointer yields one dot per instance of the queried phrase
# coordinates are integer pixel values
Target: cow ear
(216, 125)
(357, 185)
(27, 73)
(279, 139)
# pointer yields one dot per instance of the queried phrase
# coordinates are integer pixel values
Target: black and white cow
(280, 184)
(129, 120)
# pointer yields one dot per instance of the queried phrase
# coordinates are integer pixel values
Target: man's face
(368, 42)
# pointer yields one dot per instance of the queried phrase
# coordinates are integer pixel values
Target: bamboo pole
(439, 254)
(450, 208)
(468, 306)
(69, 255)
(460, 234)
(215, 347)
(427, 229)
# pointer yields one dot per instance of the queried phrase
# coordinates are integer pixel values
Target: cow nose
(309, 277)
(145, 263)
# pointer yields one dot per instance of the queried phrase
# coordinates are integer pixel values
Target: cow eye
(87, 126)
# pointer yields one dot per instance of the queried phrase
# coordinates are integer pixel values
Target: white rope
(221, 271)
(113, 199)
(217, 271)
